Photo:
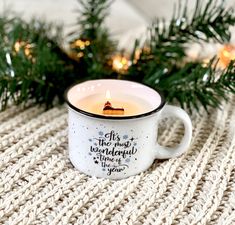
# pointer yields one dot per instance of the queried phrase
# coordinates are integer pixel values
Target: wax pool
(132, 105)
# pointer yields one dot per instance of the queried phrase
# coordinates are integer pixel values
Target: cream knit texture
(39, 185)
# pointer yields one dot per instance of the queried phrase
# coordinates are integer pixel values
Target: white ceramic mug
(117, 147)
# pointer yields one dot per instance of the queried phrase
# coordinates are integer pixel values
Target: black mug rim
(93, 115)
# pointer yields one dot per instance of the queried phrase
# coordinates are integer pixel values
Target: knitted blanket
(39, 185)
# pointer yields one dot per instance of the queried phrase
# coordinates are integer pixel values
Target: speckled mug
(119, 147)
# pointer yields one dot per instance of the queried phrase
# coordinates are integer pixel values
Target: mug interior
(97, 87)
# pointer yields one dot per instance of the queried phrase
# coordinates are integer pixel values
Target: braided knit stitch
(39, 185)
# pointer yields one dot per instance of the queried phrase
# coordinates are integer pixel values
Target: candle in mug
(118, 105)
(118, 145)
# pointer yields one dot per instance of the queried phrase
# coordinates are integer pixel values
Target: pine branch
(91, 17)
(161, 63)
(96, 55)
(208, 22)
(167, 42)
(32, 66)
(195, 84)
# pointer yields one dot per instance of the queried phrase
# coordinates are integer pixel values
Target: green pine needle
(91, 28)
(195, 84)
(162, 60)
(42, 74)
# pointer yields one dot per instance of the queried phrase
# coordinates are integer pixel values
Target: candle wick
(109, 110)
(108, 103)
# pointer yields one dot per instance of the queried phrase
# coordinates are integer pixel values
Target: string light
(25, 46)
(137, 55)
(205, 62)
(17, 46)
(80, 54)
(226, 54)
(80, 44)
(120, 63)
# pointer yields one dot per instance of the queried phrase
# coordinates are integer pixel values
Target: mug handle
(166, 152)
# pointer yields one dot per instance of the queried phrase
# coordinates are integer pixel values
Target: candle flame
(109, 109)
(108, 95)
